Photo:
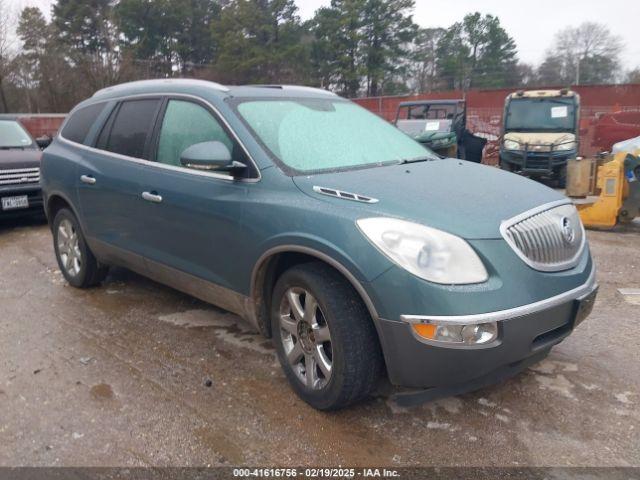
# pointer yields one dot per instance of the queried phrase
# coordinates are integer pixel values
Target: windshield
(428, 112)
(13, 135)
(419, 127)
(311, 135)
(541, 114)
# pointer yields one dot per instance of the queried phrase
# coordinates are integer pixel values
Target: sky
(533, 27)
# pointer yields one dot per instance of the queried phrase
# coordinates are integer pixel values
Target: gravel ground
(133, 373)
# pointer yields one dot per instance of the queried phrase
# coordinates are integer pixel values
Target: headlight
(427, 253)
(564, 147)
(479, 334)
(511, 145)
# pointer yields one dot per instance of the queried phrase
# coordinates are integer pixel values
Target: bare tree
(586, 54)
(6, 49)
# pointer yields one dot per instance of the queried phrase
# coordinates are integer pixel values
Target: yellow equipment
(615, 197)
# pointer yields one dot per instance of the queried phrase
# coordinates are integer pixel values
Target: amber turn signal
(425, 330)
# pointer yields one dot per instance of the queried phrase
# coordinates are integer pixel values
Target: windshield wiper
(426, 158)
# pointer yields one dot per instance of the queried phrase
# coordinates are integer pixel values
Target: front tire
(76, 261)
(324, 336)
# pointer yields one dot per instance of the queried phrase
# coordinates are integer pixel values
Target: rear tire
(324, 336)
(76, 261)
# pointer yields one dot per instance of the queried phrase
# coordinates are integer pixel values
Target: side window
(185, 124)
(80, 122)
(130, 128)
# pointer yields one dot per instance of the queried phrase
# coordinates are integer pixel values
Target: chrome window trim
(579, 292)
(142, 161)
(506, 224)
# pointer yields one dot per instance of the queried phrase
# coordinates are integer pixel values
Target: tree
(337, 49)
(587, 54)
(6, 52)
(423, 61)
(168, 36)
(260, 41)
(633, 76)
(387, 30)
(477, 52)
(88, 31)
(363, 42)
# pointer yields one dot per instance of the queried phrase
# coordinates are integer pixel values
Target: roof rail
(123, 86)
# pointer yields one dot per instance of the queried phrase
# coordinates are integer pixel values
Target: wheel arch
(277, 259)
(56, 201)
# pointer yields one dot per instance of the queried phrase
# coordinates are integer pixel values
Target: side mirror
(43, 142)
(209, 156)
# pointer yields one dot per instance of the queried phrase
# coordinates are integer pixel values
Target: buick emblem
(568, 233)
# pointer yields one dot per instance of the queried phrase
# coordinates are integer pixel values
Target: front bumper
(525, 332)
(541, 163)
(33, 192)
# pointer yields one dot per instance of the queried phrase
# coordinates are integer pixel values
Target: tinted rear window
(131, 127)
(80, 122)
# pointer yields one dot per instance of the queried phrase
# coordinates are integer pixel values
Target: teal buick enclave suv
(356, 249)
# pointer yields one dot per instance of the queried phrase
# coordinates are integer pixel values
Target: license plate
(585, 306)
(11, 203)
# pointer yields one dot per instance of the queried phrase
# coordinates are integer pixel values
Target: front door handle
(88, 179)
(152, 197)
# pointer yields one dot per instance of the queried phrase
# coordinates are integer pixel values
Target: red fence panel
(41, 123)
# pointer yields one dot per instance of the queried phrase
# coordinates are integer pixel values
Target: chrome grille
(19, 176)
(550, 238)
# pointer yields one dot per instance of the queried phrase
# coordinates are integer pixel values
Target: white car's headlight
(427, 253)
(512, 145)
(564, 147)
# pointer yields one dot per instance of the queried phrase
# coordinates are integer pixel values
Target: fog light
(477, 334)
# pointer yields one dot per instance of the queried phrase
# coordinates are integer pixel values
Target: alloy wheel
(69, 248)
(306, 338)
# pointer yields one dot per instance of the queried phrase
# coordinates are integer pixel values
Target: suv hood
(460, 197)
(18, 158)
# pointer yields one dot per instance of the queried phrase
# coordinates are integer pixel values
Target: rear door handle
(152, 197)
(88, 179)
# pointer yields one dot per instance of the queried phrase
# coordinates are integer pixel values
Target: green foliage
(86, 28)
(353, 47)
(260, 41)
(362, 41)
(633, 76)
(167, 35)
(477, 53)
(42, 68)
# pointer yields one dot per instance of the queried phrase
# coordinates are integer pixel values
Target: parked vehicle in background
(328, 229)
(437, 124)
(612, 128)
(540, 133)
(20, 154)
(441, 126)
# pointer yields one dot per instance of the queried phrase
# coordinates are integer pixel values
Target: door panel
(197, 228)
(110, 201)
(193, 219)
(109, 177)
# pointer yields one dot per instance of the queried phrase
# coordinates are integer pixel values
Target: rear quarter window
(80, 122)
